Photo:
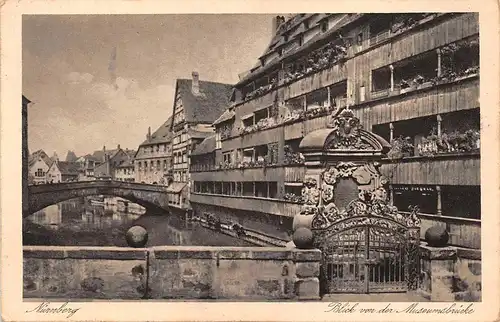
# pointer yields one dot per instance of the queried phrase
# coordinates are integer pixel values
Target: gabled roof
(68, 168)
(206, 146)
(208, 105)
(39, 154)
(71, 156)
(161, 135)
(226, 116)
(99, 155)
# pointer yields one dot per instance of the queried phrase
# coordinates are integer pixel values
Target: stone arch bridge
(147, 195)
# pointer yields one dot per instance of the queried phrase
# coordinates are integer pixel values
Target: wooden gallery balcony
(269, 206)
(441, 169)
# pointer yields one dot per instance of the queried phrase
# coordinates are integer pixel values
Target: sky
(102, 80)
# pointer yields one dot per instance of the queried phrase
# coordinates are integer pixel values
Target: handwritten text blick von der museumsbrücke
(413, 308)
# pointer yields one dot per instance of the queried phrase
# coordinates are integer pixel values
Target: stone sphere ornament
(137, 236)
(436, 236)
(303, 238)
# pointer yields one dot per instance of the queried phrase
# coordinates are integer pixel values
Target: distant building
(86, 166)
(62, 171)
(71, 156)
(197, 104)
(111, 160)
(39, 164)
(125, 171)
(153, 160)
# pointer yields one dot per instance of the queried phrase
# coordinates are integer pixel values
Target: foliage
(292, 157)
(289, 196)
(401, 147)
(450, 142)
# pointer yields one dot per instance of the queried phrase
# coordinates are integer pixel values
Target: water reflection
(104, 223)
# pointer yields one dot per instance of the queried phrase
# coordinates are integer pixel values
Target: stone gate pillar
(341, 161)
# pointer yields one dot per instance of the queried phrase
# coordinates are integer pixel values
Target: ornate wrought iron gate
(369, 248)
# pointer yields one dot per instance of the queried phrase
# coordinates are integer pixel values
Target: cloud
(79, 78)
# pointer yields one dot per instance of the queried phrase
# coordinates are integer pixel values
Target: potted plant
(421, 82)
(406, 86)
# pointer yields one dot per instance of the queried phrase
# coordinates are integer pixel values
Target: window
(157, 148)
(381, 79)
(248, 189)
(145, 166)
(227, 157)
(247, 120)
(184, 157)
(293, 188)
(324, 26)
(261, 189)
(158, 166)
(248, 155)
(424, 197)
(39, 173)
(218, 188)
(261, 153)
(359, 39)
(273, 189)
(318, 98)
(164, 165)
(260, 115)
(461, 201)
(218, 143)
(380, 28)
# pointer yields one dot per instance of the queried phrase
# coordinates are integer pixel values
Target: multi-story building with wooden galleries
(411, 78)
(197, 104)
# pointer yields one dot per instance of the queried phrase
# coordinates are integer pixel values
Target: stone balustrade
(171, 272)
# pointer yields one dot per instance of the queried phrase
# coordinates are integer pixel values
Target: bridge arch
(149, 196)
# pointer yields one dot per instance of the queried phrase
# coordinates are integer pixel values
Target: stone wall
(450, 274)
(171, 272)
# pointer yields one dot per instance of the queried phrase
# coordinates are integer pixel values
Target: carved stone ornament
(372, 200)
(347, 132)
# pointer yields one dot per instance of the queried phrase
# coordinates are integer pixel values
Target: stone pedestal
(450, 274)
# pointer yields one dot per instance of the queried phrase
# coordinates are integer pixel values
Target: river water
(80, 222)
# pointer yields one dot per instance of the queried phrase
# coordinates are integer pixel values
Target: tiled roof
(161, 135)
(226, 116)
(99, 154)
(206, 107)
(71, 156)
(199, 134)
(345, 20)
(68, 168)
(126, 164)
(39, 154)
(206, 146)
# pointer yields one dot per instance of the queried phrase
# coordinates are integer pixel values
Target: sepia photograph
(317, 165)
(332, 156)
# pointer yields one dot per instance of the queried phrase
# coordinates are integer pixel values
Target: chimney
(118, 147)
(148, 136)
(104, 148)
(195, 88)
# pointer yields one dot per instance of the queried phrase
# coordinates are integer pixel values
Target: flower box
(425, 85)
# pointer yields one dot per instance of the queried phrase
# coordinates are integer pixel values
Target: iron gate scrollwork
(368, 247)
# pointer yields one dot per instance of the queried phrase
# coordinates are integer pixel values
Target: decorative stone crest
(347, 132)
